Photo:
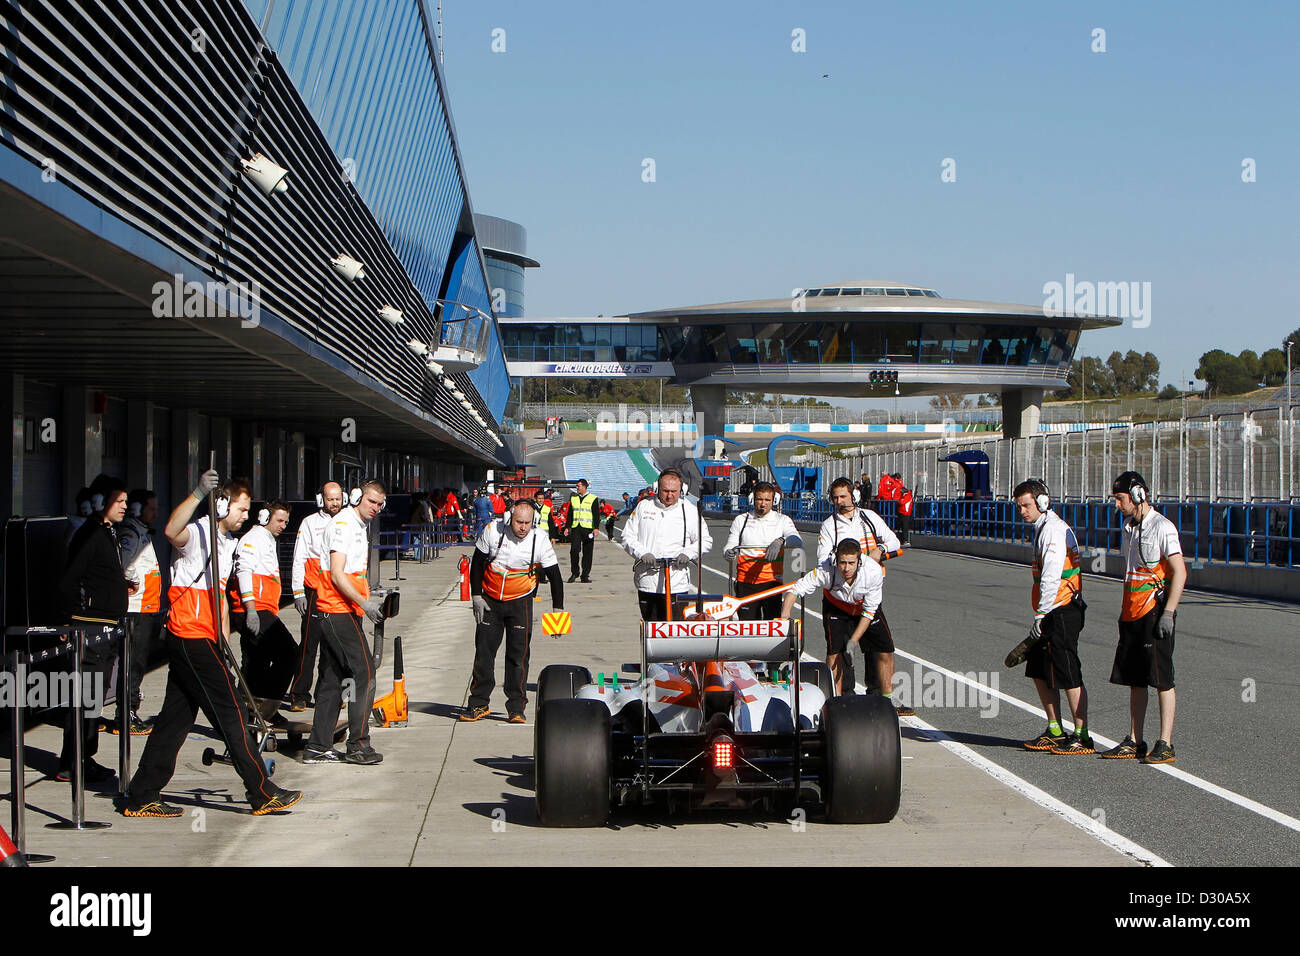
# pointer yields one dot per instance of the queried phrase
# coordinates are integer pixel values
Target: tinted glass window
(900, 343)
(966, 344)
(741, 345)
(868, 341)
(770, 340)
(936, 343)
(836, 346)
(802, 342)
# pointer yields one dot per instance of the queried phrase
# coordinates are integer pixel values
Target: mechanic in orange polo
(343, 599)
(509, 557)
(197, 677)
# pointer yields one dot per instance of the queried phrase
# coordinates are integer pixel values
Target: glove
(1166, 625)
(644, 564)
(208, 481)
(374, 608)
(592, 536)
(731, 554)
(1036, 630)
(480, 608)
(300, 605)
(252, 622)
(683, 560)
(774, 549)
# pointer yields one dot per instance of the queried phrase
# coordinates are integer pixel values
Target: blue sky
(1117, 166)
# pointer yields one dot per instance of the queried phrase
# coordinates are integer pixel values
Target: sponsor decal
(718, 629)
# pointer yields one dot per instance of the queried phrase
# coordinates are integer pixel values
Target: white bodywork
(671, 691)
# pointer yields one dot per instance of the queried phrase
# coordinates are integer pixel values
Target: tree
(948, 401)
(1272, 367)
(1224, 374)
(1169, 392)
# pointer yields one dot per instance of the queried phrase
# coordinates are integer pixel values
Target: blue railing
(1263, 534)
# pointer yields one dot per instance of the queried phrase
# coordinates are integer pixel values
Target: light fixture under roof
(418, 347)
(389, 314)
(266, 175)
(349, 268)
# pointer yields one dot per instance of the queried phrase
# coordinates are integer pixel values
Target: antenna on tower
(442, 57)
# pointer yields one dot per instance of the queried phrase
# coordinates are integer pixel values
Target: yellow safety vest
(544, 515)
(580, 511)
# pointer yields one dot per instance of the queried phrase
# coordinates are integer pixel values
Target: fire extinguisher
(464, 578)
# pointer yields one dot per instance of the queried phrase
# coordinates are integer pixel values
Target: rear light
(724, 755)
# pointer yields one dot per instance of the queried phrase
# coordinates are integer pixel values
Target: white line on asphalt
(1277, 816)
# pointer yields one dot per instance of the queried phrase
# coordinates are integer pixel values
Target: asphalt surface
(1236, 669)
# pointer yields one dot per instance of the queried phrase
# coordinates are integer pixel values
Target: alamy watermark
(1081, 298)
(932, 689)
(648, 429)
(44, 689)
(208, 300)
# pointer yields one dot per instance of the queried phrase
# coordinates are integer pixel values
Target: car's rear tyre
(572, 761)
(863, 777)
(560, 682)
(818, 673)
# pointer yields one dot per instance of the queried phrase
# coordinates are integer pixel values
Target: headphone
(135, 508)
(1042, 496)
(264, 517)
(97, 502)
(1132, 484)
(355, 495)
(84, 509)
(320, 500)
(223, 506)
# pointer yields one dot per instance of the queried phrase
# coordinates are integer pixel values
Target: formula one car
(718, 714)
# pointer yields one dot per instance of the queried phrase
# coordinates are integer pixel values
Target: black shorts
(1055, 658)
(1143, 658)
(767, 609)
(839, 626)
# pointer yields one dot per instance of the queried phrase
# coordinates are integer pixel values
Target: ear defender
(320, 500)
(1044, 499)
(96, 502)
(135, 509)
(264, 517)
(223, 506)
(354, 497)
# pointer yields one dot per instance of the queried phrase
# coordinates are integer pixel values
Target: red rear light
(724, 755)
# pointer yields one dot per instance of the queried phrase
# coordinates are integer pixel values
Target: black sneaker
(363, 757)
(135, 726)
(474, 713)
(1162, 752)
(1074, 744)
(96, 774)
(298, 704)
(516, 719)
(905, 710)
(155, 808)
(1044, 741)
(1126, 749)
(313, 756)
(280, 800)
(586, 580)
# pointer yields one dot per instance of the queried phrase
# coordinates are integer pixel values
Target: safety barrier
(1264, 534)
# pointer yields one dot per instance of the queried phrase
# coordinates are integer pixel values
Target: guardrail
(1222, 533)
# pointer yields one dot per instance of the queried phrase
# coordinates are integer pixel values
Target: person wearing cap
(1154, 577)
(580, 513)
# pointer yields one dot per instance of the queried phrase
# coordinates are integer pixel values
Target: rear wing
(704, 640)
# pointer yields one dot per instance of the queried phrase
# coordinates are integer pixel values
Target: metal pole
(18, 758)
(124, 709)
(78, 774)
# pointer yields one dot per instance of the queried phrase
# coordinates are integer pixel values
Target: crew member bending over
(503, 577)
(852, 590)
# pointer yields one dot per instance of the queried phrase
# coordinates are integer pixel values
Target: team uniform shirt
(257, 569)
(861, 598)
(752, 535)
(661, 532)
(513, 563)
(1147, 547)
(190, 615)
(140, 564)
(306, 553)
(346, 534)
(1058, 577)
(864, 526)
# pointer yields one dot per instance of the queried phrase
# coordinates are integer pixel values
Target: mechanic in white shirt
(757, 542)
(143, 601)
(664, 527)
(879, 543)
(269, 653)
(305, 580)
(343, 598)
(509, 556)
(852, 590)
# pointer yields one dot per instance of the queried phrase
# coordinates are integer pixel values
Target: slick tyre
(559, 682)
(820, 675)
(572, 762)
(864, 765)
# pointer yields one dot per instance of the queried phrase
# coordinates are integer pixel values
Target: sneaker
(1162, 752)
(1126, 749)
(475, 713)
(135, 726)
(1074, 744)
(155, 808)
(905, 710)
(363, 756)
(96, 774)
(516, 719)
(298, 704)
(313, 756)
(586, 580)
(572, 578)
(281, 800)
(1045, 741)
